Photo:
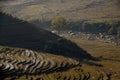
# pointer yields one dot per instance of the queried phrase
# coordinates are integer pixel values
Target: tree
(58, 23)
(112, 31)
(118, 37)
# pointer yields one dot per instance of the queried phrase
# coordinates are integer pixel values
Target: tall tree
(58, 23)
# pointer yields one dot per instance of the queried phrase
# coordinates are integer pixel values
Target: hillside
(108, 53)
(100, 10)
(18, 33)
(17, 61)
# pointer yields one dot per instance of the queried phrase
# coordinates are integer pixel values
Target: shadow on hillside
(92, 63)
(114, 60)
(18, 33)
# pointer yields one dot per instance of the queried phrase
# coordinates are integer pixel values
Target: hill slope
(17, 61)
(70, 9)
(18, 33)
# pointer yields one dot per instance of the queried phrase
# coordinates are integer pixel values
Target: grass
(32, 10)
(109, 52)
(71, 10)
(98, 48)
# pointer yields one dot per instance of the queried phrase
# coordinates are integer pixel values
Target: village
(86, 36)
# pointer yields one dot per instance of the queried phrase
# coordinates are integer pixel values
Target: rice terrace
(59, 40)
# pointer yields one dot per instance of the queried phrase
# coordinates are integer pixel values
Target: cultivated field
(107, 68)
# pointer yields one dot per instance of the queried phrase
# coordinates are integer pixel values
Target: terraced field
(107, 68)
(16, 61)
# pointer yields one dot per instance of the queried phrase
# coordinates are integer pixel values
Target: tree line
(60, 23)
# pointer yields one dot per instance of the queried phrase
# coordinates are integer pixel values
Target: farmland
(108, 54)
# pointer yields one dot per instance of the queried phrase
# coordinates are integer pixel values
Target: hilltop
(100, 10)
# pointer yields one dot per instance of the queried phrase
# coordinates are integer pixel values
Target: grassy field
(98, 48)
(110, 61)
(109, 53)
